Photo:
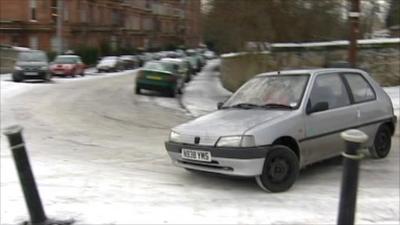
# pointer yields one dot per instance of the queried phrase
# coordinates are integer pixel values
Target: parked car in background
(196, 59)
(193, 63)
(209, 54)
(183, 67)
(160, 76)
(31, 65)
(145, 57)
(279, 122)
(110, 64)
(67, 65)
(129, 61)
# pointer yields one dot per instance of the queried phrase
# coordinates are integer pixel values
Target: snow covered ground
(97, 152)
(203, 93)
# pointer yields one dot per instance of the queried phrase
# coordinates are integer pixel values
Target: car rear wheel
(137, 90)
(171, 93)
(281, 168)
(382, 143)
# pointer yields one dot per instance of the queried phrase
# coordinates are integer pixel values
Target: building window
(83, 14)
(33, 42)
(32, 4)
(53, 9)
(66, 14)
(54, 43)
(148, 4)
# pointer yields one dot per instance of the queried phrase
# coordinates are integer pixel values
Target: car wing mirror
(219, 105)
(320, 106)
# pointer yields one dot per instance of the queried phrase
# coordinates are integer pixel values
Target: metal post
(354, 16)
(27, 180)
(348, 195)
(32, 198)
(60, 13)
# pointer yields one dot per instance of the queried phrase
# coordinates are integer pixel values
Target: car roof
(172, 60)
(309, 71)
(71, 56)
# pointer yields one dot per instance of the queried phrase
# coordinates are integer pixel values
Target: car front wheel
(281, 168)
(382, 143)
(17, 78)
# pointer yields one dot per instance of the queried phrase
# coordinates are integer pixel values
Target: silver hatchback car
(279, 122)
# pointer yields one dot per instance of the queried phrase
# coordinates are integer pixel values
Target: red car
(67, 65)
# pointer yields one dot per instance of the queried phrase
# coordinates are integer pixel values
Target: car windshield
(280, 91)
(65, 59)
(32, 57)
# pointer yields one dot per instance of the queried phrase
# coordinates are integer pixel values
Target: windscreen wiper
(276, 105)
(244, 106)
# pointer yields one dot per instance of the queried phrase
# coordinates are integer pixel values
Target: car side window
(360, 88)
(329, 88)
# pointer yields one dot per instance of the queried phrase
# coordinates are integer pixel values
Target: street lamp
(354, 16)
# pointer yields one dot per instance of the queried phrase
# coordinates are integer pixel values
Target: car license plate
(154, 77)
(196, 155)
(59, 72)
(31, 73)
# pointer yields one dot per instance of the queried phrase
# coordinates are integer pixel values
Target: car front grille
(31, 68)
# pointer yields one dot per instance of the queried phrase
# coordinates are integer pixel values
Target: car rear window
(66, 59)
(360, 88)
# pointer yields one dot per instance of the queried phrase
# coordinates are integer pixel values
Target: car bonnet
(228, 122)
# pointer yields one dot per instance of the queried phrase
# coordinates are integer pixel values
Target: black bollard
(348, 195)
(31, 194)
(27, 180)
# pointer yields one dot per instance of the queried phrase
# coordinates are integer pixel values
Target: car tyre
(382, 143)
(17, 78)
(137, 90)
(172, 93)
(47, 78)
(280, 171)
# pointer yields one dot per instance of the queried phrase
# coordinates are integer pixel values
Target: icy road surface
(97, 152)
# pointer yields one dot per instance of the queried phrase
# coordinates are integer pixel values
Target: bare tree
(231, 23)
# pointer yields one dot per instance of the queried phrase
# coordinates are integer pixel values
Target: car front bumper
(155, 85)
(37, 74)
(245, 162)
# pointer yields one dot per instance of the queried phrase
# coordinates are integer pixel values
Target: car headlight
(17, 68)
(173, 136)
(236, 141)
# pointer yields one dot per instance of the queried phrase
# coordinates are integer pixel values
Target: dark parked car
(110, 64)
(160, 76)
(68, 65)
(31, 65)
(129, 61)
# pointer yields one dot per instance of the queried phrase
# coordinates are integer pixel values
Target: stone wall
(380, 59)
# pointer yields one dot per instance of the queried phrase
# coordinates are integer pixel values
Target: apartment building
(117, 23)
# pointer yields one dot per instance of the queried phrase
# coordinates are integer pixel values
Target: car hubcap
(278, 170)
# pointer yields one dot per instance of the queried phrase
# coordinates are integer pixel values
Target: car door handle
(358, 113)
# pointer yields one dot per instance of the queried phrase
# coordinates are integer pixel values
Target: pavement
(97, 152)
(204, 91)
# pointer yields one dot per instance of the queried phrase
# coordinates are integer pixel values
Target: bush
(51, 55)
(89, 55)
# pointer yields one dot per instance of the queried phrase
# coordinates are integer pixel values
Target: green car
(160, 76)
